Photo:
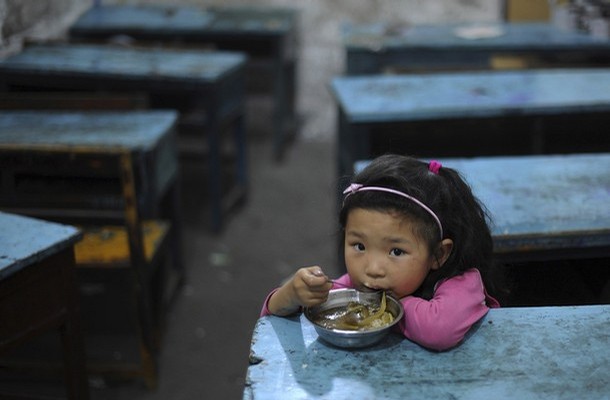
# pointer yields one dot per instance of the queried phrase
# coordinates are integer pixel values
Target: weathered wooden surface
(471, 94)
(513, 353)
(161, 20)
(122, 63)
(471, 113)
(26, 241)
(371, 48)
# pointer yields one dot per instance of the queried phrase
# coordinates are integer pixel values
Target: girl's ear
(442, 253)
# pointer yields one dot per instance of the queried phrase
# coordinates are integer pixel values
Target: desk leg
(538, 139)
(75, 373)
(177, 259)
(242, 153)
(215, 171)
(284, 108)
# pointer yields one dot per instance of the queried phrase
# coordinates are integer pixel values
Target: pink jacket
(441, 322)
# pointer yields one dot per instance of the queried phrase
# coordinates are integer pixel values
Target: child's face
(382, 252)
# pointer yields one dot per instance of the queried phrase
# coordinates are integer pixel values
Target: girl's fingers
(316, 278)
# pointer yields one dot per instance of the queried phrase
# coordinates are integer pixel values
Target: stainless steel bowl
(352, 338)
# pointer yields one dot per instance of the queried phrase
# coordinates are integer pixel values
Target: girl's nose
(376, 267)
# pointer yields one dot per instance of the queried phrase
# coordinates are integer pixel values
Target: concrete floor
(288, 221)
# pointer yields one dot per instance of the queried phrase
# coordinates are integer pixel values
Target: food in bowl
(340, 321)
(355, 316)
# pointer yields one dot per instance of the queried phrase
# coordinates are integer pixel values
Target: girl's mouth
(366, 288)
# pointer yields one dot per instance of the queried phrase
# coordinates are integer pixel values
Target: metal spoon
(371, 296)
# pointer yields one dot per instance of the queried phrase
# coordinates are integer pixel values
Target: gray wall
(321, 55)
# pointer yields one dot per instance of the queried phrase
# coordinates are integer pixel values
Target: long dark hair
(464, 218)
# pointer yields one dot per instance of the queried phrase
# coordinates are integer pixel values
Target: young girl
(416, 231)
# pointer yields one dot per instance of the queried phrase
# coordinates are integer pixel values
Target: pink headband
(356, 187)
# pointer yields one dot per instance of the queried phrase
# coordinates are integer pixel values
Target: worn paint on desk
(513, 353)
(25, 241)
(374, 48)
(86, 129)
(183, 19)
(97, 60)
(380, 98)
(543, 202)
(511, 37)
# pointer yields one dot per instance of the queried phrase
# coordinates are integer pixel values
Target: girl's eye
(396, 252)
(359, 247)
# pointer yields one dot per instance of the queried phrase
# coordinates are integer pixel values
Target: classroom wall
(321, 54)
(22, 20)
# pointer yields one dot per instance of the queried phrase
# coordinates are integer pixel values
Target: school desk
(547, 207)
(207, 87)
(38, 292)
(115, 174)
(512, 353)
(472, 113)
(378, 47)
(269, 35)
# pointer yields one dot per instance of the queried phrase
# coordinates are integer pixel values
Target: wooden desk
(105, 170)
(148, 136)
(550, 207)
(375, 48)
(269, 35)
(472, 114)
(38, 291)
(210, 83)
(513, 353)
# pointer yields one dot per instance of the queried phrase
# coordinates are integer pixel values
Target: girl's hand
(308, 287)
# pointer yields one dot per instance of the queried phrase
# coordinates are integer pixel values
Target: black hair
(463, 217)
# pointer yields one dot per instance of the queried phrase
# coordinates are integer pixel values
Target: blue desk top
(449, 37)
(542, 202)
(24, 241)
(512, 353)
(118, 62)
(91, 130)
(384, 98)
(165, 19)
